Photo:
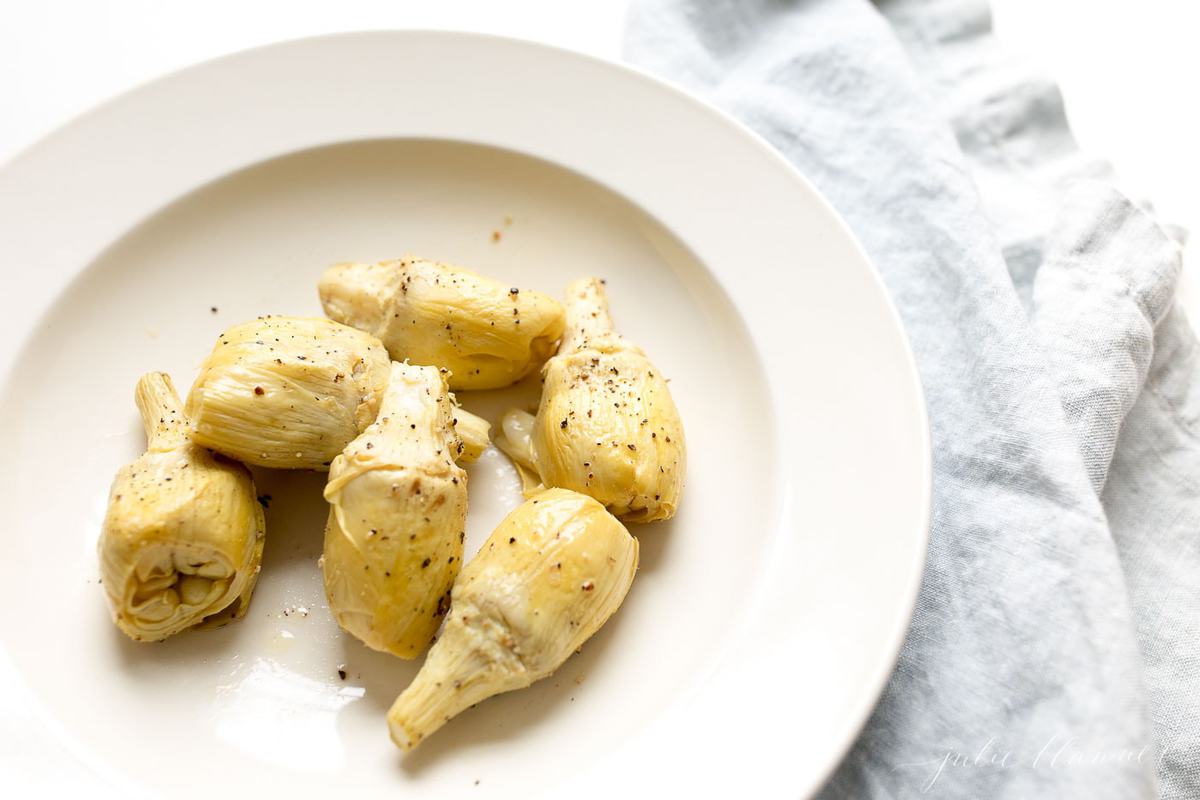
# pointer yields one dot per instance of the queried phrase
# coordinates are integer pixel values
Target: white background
(1129, 71)
(1128, 68)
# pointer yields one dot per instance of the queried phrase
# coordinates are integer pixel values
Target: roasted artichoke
(287, 392)
(183, 536)
(606, 425)
(398, 512)
(549, 576)
(487, 334)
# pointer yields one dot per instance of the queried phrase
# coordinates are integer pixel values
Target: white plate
(766, 615)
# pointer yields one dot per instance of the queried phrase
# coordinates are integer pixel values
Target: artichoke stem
(162, 412)
(452, 680)
(587, 314)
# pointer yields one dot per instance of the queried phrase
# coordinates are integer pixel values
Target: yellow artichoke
(606, 425)
(487, 334)
(549, 576)
(183, 536)
(287, 392)
(398, 512)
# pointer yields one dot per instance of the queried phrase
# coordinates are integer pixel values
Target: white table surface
(1127, 68)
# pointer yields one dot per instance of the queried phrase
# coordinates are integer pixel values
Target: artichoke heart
(287, 392)
(183, 536)
(606, 424)
(398, 512)
(487, 334)
(549, 576)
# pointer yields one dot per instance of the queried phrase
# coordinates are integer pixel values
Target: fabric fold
(1108, 277)
(1152, 501)
(1037, 629)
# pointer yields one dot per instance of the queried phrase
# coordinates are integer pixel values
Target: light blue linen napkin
(1055, 649)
